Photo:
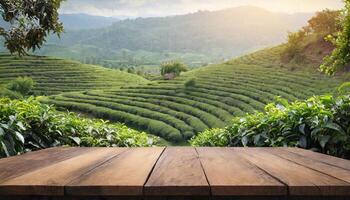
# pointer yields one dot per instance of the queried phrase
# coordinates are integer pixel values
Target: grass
(177, 112)
(54, 76)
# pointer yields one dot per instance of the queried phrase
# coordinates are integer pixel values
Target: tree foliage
(324, 23)
(294, 46)
(175, 67)
(340, 56)
(28, 22)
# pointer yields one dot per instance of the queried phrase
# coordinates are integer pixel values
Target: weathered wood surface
(281, 173)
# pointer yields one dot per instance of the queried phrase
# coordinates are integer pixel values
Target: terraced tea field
(53, 76)
(176, 112)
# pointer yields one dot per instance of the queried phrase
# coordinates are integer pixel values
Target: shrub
(175, 67)
(22, 85)
(27, 125)
(4, 92)
(344, 88)
(321, 123)
(191, 82)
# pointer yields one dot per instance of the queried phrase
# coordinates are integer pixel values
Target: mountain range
(204, 36)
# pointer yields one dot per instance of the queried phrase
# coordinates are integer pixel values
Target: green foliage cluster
(321, 123)
(340, 57)
(324, 23)
(174, 67)
(22, 85)
(191, 82)
(18, 88)
(53, 76)
(294, 47)
(27, 125)
(29, 21)
(169, 109)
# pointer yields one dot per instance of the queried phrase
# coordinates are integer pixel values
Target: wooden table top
(175, 171)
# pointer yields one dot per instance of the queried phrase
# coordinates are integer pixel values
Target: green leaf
(302, 128)
(334, 126)
(245, 141)
(20, 137)
(324, 140)
(4, 147)
(303, 142)
(77, 140)
(21, 126)
(2, 132)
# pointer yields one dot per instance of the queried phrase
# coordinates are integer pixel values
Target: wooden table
(174, 173)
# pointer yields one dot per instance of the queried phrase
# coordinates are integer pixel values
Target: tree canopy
(340, 56)
(324, 22)
(175, 67)
(28, 22)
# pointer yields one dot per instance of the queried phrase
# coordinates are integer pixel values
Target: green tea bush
(21, 85)
(321, 123)
(27, 125)
(191, 82)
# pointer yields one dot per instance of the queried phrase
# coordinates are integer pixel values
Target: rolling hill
(210, 35)
(53, 76)
(176, 112)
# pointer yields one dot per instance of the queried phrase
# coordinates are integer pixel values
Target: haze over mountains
(201, 37)
(84, 21)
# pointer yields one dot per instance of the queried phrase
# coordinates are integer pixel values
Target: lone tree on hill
(172, 69)
(340, 57)
(28, 22)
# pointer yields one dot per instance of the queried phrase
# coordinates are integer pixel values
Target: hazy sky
(146, 8)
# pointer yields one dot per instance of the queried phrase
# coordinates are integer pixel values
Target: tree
(28, 22)
(340, 57)
(172, 67)
(294, 46)
(325, 22)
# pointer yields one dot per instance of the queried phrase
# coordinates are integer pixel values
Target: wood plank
(178, 172)
(325, 168)
(50, 180)
(124, 175)
(230, 175)
(301, 181)
(331, 160)
(18, 165)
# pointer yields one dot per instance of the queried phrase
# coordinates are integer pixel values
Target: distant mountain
(79, 21)
(83, 21)
(217, 34)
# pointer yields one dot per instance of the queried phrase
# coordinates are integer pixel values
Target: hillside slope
(176, 112)
(212, 35)
(53, 76)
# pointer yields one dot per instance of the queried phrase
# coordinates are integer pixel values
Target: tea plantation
(53, 76)
(177, 111)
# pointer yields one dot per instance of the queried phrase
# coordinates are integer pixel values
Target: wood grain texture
(51, 179)
(124, 175)
(338, 162)
(18, 165)
(174, 173)
(301, 181)
(178, 172)
(230, 175)
(322, 167)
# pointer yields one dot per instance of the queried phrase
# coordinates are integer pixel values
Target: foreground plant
(27, 125)
(321, 123)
